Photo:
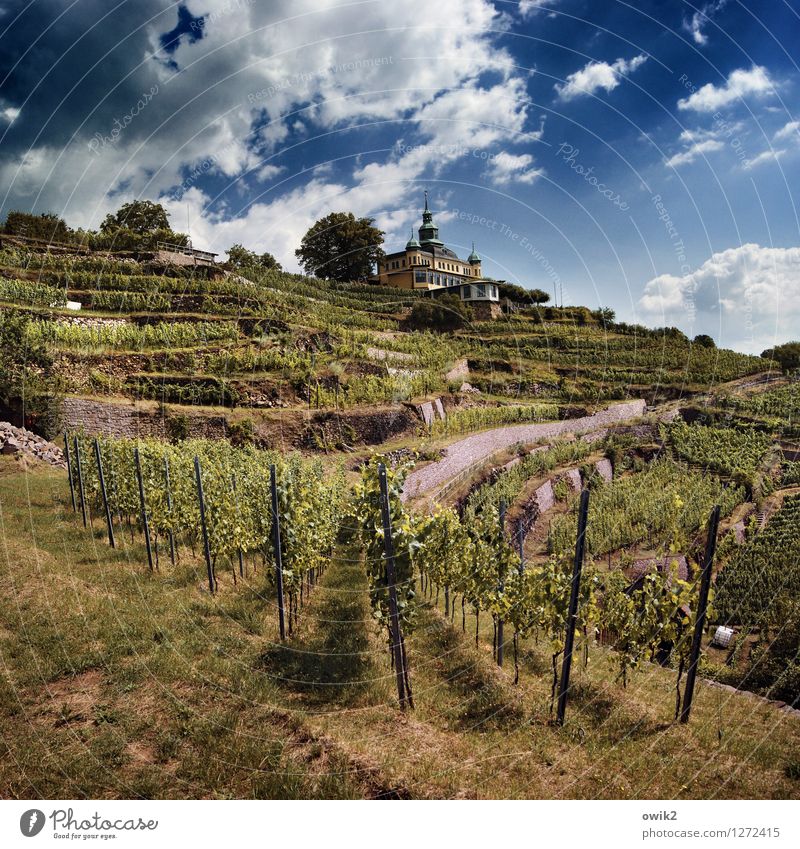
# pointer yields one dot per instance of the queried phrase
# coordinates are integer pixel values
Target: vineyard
(245, 538)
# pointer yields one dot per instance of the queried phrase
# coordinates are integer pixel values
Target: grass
(121, 683)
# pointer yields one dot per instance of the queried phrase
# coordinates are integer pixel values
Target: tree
(443, 314)
(539, 296)
(521, 295)
(788, 355)
(241, 257)
(704, 341)
(47, 226)
(139, 216)
(341, 247)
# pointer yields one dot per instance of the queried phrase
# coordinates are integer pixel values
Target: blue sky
(643, 157)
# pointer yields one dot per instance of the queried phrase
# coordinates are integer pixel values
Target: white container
(722, 637)
(73, 305)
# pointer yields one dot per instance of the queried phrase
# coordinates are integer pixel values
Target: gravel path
(462, 454)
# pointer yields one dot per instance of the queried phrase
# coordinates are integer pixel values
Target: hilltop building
(428, 264)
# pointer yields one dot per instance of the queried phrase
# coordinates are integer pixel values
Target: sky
(643, 157)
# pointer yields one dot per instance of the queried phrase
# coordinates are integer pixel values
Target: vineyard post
(80, 479)
(212, 581)
(69, 473)
(239, 549)
(702, 611)
(169, 509)
(572, 615)
(521, 546)
(145, 523)
(394, 617)
(276, 545)
(102, 480)
(500, 584)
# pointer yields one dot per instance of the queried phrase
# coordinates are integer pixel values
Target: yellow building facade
(427, 263)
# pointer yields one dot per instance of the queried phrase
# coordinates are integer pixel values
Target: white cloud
(740, 83)
(597, 75)
(266, 172)
(699, 144)
(9, 114)
(764, 156)
(507, 167)
(699, 19)
(749, 295)
(528, 8)
(789, 131)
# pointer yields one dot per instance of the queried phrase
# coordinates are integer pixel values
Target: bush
(443, 314)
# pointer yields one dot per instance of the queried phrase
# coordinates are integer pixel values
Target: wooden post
(239, 548)
(521, 546)
(168, 491)
(394, 616)
(142, 505)
(501, 584)
(276, 547)
(702, 612)
(80, 479)
(572, 616)
(69, 473)
(212, 581)
(109, 525)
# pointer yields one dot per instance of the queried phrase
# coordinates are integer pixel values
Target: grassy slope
(118, 683)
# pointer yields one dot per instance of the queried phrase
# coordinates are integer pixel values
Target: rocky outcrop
(19, 441)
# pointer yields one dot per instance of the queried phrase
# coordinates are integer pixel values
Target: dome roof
(412, 242)
(473, 257)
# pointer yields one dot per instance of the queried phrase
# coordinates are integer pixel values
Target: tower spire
(426, 200)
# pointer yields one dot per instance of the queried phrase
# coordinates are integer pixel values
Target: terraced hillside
(197, 615)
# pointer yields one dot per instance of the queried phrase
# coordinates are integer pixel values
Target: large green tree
(341, 247)
(787, 355)
(140, 216)
(241, 257)
(47, 226)
(138, 225)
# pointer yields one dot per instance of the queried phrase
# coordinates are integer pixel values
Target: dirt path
(464, 453)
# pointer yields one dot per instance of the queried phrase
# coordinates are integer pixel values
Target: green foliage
(240, 257)
(27, 383)
(341, 247)
(704, 340)
(368, 515)
(728, 451)
(239, 517)
(138, 216)
(762, 580)
(128, 336)
(781, 404)
(665, 498)
(443, 314)
(31, 294)
(467, 419)
(788, 355)
(46, 227)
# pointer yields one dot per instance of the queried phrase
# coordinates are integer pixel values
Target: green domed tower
(473, 258)
(429, 232)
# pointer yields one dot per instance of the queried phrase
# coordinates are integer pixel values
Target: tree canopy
(787, 355)
(241, 257)
(341, 247)
(139, 216)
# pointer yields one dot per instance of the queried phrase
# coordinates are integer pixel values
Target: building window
(481, 290)
(465, 293)
(419, 277)
(404, 263)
